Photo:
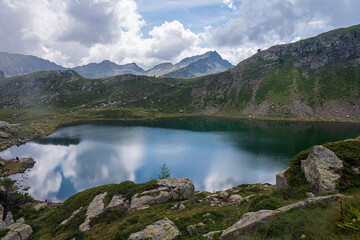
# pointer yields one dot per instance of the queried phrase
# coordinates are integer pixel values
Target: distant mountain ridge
(18, 64)
(200, 65)
(313, 79)
(107, 68)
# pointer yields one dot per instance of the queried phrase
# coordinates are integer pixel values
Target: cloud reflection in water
(112, 154)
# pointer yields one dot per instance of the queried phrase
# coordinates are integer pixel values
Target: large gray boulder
(18, 231)
(180, 188)
(281, 181)
(321, 169)
(95, 208)
(249, 222)
(160, 230)
(141, 202)
(118, 200)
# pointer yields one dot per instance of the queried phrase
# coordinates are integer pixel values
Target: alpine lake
(215, 154)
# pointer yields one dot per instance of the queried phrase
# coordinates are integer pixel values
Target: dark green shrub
(262, 202)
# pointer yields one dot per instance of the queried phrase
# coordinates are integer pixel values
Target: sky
(148, 32)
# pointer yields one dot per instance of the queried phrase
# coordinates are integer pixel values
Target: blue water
(214, 154)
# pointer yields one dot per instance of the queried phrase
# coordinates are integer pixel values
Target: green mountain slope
(313, 79)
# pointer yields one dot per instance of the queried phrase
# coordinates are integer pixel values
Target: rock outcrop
(95, 208)
(171, 188)
(117, 201)
(9, 219)
(160, 230)
(281, 181)
(18, 231)
(321, 169)
(180, 188)
(250, 221)
(72, 215)
(222, 198)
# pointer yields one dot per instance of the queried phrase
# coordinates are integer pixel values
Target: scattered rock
(182, 206)
(223, 195)
(180, 188)
(18, 231)
(163, 229)
(210, 235)
(72, 215)
(319, 168)
(9, 220)
(195, 229)
(236, 198)
(95, 208)
(118, 200)
(355, 169)
(281, 181)
(250, 221)
(41, 206)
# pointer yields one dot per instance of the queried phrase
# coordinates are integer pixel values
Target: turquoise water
(214, 153)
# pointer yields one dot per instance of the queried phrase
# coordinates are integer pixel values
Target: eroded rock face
(320, 169)
(281, 181)
(95, 208)
(117, 201)
(160, 230)
(180, 188)
(250, 221)
(18, 231)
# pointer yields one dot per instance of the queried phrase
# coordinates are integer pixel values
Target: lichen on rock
(160, 230)
(321, 169)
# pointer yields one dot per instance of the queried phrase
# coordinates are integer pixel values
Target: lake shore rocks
(322, 169)
(18, 230)
(163, 229)
(251, 220)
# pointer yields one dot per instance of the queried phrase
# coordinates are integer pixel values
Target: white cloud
(229, 3)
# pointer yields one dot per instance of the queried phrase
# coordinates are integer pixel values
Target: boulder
(18, 231)
(95, 208)
(223, 195)
(163, 229)
(141, 202)
(2, 225)
(180, 188)
(41, 206)
(250, 221)
(27, 162)
(182, 206)
(236, 198)
(118, 200)
(9, 220)
(320, 169)
(281, 181)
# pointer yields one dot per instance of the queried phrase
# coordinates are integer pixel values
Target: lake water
(214, 153)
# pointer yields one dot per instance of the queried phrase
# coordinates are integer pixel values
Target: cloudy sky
(148, 32)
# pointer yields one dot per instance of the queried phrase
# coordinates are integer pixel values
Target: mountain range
(313, 79)
(207, 63)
